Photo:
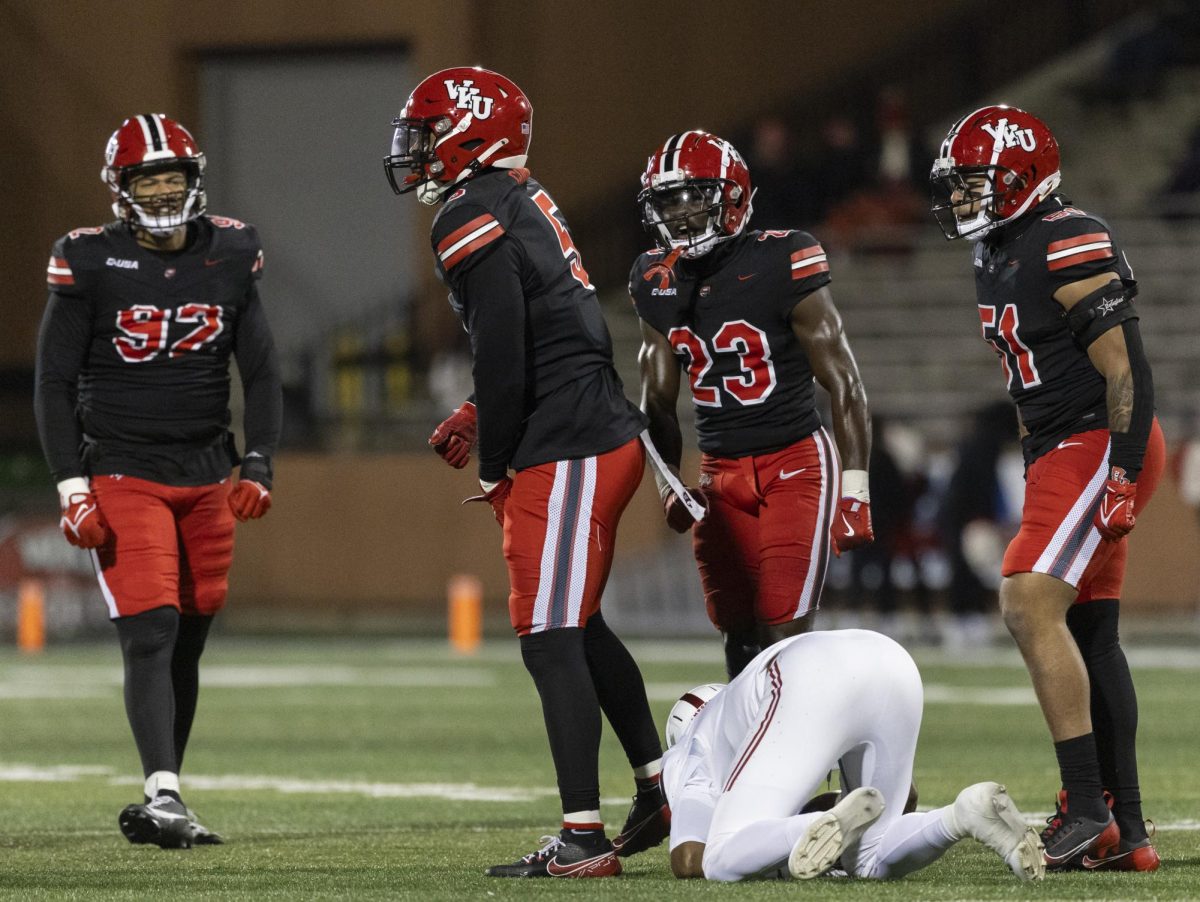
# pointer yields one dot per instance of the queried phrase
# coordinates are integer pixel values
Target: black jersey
(133, 355)
(1018, 269)
(545, 386)
(728, 317)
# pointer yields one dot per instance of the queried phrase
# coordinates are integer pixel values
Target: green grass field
(374, 769)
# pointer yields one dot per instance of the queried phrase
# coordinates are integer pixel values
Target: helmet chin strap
(430, 192)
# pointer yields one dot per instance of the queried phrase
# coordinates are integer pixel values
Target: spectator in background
(891, 192)
(780, 201)
(975, 521)
(843, 164)
(1181, 195)
(871, 565)
(1137, 65)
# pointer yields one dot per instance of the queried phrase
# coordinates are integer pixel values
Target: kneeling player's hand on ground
(455, 436)
(852, 525)
(249, 500)
(81, 521)
(495, 494)
(1115, 517)
(679, 518)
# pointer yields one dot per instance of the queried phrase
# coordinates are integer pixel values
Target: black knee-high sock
(558, 664)
(147, 643)
(185, 677)
(621, 691)
(1114, 709)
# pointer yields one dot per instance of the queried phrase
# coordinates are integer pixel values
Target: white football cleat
(985, 811)
(831, 834)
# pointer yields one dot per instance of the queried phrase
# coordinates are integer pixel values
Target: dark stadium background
(292, 99)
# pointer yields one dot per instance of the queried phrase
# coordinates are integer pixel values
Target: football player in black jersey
(1055, 300)
(132, 403)
(749, 316)
(549, 406)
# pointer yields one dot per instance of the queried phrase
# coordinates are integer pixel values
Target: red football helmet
(146, 144)
(996, 163)
(695, 193)
(455, 123)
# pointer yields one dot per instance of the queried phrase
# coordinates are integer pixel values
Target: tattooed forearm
(1120, 401)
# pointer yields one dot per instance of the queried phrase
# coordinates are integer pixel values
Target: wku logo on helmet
(1009, 135)
(468, 97)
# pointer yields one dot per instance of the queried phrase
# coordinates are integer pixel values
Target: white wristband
(854, 485)
(76, 485)
(487, 486)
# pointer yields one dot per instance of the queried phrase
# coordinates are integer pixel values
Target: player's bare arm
(687, 860)
(817, 325)
(660, 391)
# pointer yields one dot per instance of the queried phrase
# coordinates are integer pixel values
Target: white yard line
(52, 681)
(455, 792)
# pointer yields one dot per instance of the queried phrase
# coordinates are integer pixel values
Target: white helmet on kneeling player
(686, 708)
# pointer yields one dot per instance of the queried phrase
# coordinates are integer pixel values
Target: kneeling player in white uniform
(745, 758)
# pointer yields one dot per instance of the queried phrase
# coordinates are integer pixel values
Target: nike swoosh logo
(1091, 863)
(554, 869)
(1105, 514)
(744, 278)
(846, 523)
(1068, 444)
(788, 474)
(214, 262)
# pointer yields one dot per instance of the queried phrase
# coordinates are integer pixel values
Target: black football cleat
(162, 822)
(1068, 838)
(557, 858)
(648, 824)
(201, 835)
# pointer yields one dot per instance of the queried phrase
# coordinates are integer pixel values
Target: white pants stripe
(109, 600)
(818, 562)
(563, 573)
(1075, 541)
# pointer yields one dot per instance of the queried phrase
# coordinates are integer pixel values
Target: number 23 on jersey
(749, 343)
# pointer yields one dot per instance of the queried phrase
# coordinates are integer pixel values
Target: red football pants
(560, 528)
(1063, 490)
(168, 545)
(763, 548)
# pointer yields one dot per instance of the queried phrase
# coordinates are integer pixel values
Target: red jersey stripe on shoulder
(1076, 258)
(462, 232)
(809, 262)
(1065, 243)
(481, 237)
(58, 272)
(808, 252)
(810, 269)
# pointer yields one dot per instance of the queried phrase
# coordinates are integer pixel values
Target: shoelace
(552, 843)
(1054, 822)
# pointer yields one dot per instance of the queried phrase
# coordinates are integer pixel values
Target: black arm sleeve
(1129, 448)
(259, 366)
(63, 340)
(494, 304)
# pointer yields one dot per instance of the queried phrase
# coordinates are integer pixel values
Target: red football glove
(678, 516)
(249, 500)
(455, 437)
(82, 523)
(496, 498)
(1115, 517)
(852, 525)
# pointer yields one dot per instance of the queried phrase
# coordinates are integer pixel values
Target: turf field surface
(376, 769)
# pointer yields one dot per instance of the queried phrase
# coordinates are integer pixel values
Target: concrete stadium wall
(387, 532)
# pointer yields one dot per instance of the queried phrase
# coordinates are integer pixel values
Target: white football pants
(865, 716)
